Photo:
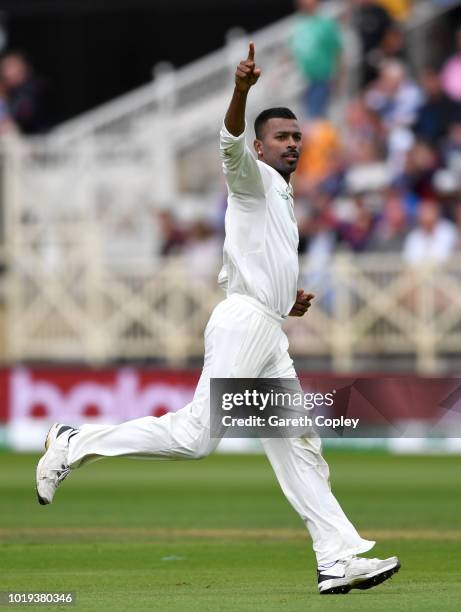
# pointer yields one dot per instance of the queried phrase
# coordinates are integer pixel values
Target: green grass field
(218, 534)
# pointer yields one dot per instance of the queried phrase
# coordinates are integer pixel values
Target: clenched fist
(302, 304)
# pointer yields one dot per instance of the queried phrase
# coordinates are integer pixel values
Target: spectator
(438, 112)
(372, 22)
(434, 240)
(172, 235)
(356, 233)
(318, 238)
(7, 125)
(316, 46)
(392, 45)
(395, 96)
(451, 72)
(447, 190)
(389, 233)
(416, 181)
(26, 93)
(451, 149)
(317, 229)
(457, 217)
(321, 150)
(203, 250)
(364, 138)
(397, 9)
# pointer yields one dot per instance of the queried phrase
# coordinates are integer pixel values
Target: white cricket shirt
(261, 247)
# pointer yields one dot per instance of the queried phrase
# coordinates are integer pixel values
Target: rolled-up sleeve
(240, 167)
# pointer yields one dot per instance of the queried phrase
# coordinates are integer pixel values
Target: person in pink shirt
(451, 72)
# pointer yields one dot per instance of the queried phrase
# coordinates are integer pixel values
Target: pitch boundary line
(267, 534)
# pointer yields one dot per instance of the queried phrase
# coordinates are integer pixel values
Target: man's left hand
(302, 304)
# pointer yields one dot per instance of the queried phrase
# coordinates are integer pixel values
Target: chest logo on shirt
(287, 196)
(284, 194)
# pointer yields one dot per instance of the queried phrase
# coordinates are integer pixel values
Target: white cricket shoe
(52, 468)
(355, 573)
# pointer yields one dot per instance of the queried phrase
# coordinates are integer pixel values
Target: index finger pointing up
(251, 51)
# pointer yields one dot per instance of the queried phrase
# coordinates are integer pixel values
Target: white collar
(287, 187)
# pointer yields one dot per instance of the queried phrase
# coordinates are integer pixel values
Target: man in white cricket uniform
(244, 339)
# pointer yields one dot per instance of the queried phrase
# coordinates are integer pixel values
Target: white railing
(64, 302)
(197, 85)
(174, 121)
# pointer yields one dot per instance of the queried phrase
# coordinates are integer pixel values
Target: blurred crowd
(388, 179)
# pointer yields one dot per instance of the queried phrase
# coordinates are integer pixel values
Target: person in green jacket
(316, 46)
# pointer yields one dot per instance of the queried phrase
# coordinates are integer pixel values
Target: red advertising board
(113, 395)
(80, 394)
(32, 399)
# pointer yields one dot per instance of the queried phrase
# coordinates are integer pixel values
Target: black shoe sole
(341, 590)
(371, 582)
(366, 584)
(41, 501)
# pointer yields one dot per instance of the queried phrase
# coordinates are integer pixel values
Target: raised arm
(246, 75)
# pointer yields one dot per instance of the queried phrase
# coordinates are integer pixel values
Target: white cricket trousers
(242, 340)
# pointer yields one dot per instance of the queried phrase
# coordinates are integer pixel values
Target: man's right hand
(247, 73)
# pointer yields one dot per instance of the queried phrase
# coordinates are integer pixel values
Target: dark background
(93, 50)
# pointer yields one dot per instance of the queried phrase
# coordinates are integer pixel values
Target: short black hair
(272, 113)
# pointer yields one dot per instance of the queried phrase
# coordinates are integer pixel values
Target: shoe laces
(62, 475)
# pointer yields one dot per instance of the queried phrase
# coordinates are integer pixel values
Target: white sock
(325, 566)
